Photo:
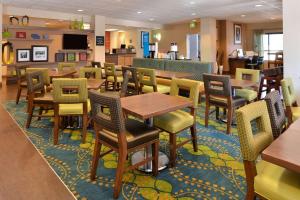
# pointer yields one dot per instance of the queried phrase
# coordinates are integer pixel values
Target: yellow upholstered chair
(147, 82)
(290, 100)
(70, 98)
(46, 77)
(264, 179)
(112, 76)
(90, 72)
(179, 120)
(66, 66)
(248, 74)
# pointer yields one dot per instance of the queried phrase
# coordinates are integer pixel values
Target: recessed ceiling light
(272, 18)
(193, 14)
(151, 19)
(194, 20)
(47, 23)
(111, 29)
(258, 5)
(243, 15)
(139, 12)
(79, 10)
(192, 2)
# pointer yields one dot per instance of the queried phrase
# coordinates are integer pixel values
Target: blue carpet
(214, 172)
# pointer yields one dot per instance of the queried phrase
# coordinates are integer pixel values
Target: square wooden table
(285, 151)
(61, 74)
(171, 74)
(95, 84)
(147, 106)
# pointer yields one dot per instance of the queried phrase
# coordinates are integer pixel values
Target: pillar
(1, 14)
(99, 51)
(208, 39)
(291, 42)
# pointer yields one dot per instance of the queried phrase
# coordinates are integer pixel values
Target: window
(273, 42)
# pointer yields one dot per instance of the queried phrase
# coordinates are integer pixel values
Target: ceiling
(163, 11)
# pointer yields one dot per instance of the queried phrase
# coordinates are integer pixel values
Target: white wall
(99, 31)
(291, 41)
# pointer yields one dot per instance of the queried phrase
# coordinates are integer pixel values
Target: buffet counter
(120, 58)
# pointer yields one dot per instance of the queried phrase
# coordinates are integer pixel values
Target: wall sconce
(157, 36)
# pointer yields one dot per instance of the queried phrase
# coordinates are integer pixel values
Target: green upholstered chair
(121, 135)
(37, 96)
(90, 72)
(147, 82)
(130, 86)
(112, 76)
(247, 74)
(45, 71)
(70, 98)
(66, 66)
(290, 100)
(21, 80)
(179, 120)
(264, 179)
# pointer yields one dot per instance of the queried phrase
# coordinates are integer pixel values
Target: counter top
(118, 53)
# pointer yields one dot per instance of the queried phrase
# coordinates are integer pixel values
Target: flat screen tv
(73, 41)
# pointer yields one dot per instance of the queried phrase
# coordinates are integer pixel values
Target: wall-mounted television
(74, 41)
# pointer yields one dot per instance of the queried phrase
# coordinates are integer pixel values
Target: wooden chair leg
(56, 129)
(194, 137)
(206, 114)
(120, 171)
(40, 112)
(250, 171)
(229, 120)
(95, 160)
(30, 113)
(106, 85)
(155, 158)
(84, 127)
(18, 95)
(172, 149)
(115, 86)
(217, 113)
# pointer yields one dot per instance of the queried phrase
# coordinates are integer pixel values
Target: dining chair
(290, 100)
(177, 121)
(270, 80)
(112, 76)
(250, 94)
(133, 82)
(264, 180)
(96, 64)
(121, 135)
(70, 98)
(46, 77)
(148, 83)
(218, 92)
(276, 113)
(21, 80)
(37, 96)
(66, 66)
(90, 72)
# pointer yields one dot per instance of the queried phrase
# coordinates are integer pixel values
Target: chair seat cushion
(137, 133)
(247, 94)
(296, 113)
(164, 89)
(236, 101)
(276, 183)
(175, 121)
(112, 79)
(73, 109)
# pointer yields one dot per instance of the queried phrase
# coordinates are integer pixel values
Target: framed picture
(144, 38)
(237, 34)
(59, 57)
(39, 53)
(23, 55)
(99, 40)
(71, 57)
(83, 56)
(21, 35)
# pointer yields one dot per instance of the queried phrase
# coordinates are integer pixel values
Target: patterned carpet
(214, 172)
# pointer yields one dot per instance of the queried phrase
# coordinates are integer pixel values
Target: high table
(147, 106)
(285, 151)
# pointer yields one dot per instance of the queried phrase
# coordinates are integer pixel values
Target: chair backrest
(253, 144)
(96, 64)
(131, 73)
(45, 71)
(21, 72)
(66, 66)
(288, 92)
(276, 112)
(191, 86)
(35, 82)
(67, 90)
(147, 76)
(217, 85)
(113, 122)
(90, 72)
(110, 69)
(247, 74)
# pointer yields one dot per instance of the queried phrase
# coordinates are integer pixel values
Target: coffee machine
(173, 51)
(153, 50)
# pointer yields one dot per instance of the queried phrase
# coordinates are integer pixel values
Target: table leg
(139, 156)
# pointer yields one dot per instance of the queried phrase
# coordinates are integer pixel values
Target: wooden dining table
(61, 74)
(147, 106)
(171, 74)
(285, 151)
